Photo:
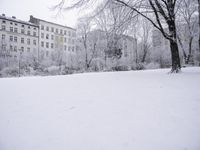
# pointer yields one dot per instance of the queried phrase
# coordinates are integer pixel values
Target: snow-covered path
(141, 110)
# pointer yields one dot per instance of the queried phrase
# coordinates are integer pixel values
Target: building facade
(108, 51)
(36, 40)
(17, 39)
(56, 41)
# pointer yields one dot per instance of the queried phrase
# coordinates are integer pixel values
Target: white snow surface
(135, 110)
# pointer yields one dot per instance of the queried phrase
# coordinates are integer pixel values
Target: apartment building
(17, 39)
(101, 47)
(55, 40)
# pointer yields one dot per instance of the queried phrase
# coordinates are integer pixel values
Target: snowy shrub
(9, 72)
(53, 70)
(67, 70)
(120, 68)
(152, 65)
(139, 66)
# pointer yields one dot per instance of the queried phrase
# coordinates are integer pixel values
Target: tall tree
(187, 27)
(199, 21)
(163, 12)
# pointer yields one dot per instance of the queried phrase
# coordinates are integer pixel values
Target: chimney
(13, 17)
(3, 15)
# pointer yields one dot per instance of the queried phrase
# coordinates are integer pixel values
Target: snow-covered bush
(9, 72)
(120, 68)
(53, 70)
(152, 65)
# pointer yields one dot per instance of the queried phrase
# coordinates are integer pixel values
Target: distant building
(54, 39)
(17, 38)
(106, 47)
(34, 40)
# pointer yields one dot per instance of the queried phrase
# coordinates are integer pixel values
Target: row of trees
(120, 16)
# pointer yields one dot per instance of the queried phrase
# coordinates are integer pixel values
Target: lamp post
(19, 61)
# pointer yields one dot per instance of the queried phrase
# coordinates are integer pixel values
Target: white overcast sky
(22, 9)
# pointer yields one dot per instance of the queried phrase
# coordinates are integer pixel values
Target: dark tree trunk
(145, 54)
(176, 65)
(190, 51)
(199, 22)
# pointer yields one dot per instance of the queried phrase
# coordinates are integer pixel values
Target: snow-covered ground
(141, 110)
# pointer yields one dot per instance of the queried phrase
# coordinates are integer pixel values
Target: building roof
(14, 19)
(54, 23)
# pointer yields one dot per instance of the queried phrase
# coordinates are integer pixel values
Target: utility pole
(19, 63)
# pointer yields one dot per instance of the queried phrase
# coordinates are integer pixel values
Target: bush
(120, 68)
(139, 66)
(152, 65)
(9, 72)
(53, 70)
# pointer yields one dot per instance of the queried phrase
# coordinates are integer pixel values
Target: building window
(11, 29)
(69, 48)
(15, 30)
(52, 29)
(65, 32)
(65, 47)
(3, 37)
(47, 45)
(52, 37)
(47, 28)
(15, 48)
(42, 27)
(11, 38)
(34, 42)
(34, 33)
(29, 32)
(15, 39)
(28, 49)
(69, 41)
(65, 40)
(11, 48)
(69, 33)
(42, 35)
(34, 28)
(72, 49)
(16, 24)
(42, 44)
(3, 47)
(22, 40)
(3, 21)
(28, 41)
(56, 30)
(29, 27)
(47, 36)
(22, 26)
(61, 31)
(22, 49)
(22, 31)
(3, 27)
(51, 45)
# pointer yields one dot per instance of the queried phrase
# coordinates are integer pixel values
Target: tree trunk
(199, 22)
(144, 54)
(190, 51)
(176, 66)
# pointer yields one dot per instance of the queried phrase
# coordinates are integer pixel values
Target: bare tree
(199, 21)
(145, 27)
(84, 29)
(187, 27)
(161, 10)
